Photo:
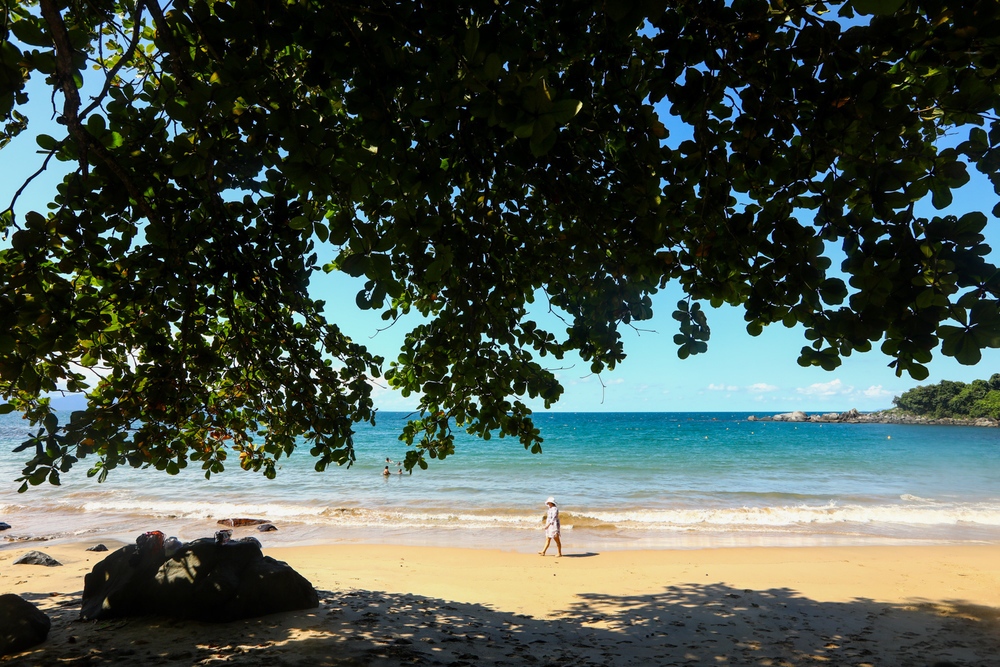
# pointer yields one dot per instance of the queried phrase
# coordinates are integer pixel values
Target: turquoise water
(622, 480)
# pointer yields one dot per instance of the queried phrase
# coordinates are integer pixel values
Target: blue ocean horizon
(622, 480)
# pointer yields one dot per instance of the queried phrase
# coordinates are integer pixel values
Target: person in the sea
(386, 473)
(551, 527)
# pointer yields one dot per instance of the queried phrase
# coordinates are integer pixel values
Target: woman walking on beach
(552, 527)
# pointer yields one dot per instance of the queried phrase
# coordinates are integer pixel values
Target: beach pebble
(265, 527)
(240, 523)
(97, 547)
(24, 625)
(4, 526)
(37, 558)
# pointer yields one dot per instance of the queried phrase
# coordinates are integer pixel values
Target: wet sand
(406, 605)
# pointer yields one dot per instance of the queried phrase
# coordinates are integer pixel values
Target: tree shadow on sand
(683, 625)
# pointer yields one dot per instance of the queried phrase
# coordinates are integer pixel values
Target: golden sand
(391, 605)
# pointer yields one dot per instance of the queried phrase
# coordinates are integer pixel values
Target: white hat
(550, 501)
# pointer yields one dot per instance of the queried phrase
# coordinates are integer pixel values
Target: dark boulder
(4, 526)
(117, 585)
(37, 558)
(22, 624)
(266, 527)
(97, 547)
(203, 580)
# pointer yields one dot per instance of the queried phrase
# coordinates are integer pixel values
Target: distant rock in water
(203, 580)
(22, 624)
(4, 526)
(797, 416)
(97, 547)
(37, 558)
(240, 523)
(265, 527)
(852, 416)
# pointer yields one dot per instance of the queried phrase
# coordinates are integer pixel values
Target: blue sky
(739, 372)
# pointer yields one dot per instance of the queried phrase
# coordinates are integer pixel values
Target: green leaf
(564, 111)
(299, 222)
(354, 265)
(29, 31)
(541, 146)
(471, 42)
(321, 231)
(96, 125)
(525, 131)
(47, 143)
(941, 195)
(961, 345)
(492, 66)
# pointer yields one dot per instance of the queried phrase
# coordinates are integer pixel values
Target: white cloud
(832, 388)
(615, 381)
(761, 387)
(722, 387)
(389, 399)
(876, 391)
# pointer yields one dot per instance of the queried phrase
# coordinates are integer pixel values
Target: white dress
(552, 522)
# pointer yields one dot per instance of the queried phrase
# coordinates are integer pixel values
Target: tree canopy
(979, 398)
(464, 158)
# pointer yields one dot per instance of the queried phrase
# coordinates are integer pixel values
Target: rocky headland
(853, 416)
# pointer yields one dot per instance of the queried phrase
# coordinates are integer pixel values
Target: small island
(945, 403)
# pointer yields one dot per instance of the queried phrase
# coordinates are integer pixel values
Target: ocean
(622, 481)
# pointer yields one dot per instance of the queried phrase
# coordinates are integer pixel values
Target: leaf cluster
(463, 159)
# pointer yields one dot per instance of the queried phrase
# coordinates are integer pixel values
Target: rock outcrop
(22, 624)
(202, 580)
(852, 416)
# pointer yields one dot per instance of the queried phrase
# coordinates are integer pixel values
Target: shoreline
(514, 540)
(392, 604)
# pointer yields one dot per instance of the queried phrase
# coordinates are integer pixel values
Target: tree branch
(71, 107)
(125, 57)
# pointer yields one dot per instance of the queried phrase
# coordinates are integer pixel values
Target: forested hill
(979, 398)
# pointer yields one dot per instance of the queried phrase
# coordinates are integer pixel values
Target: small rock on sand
(37, 558)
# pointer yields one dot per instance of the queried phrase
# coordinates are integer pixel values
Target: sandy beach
(404, 605)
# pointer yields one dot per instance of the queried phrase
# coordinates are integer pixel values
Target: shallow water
(622, 480)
